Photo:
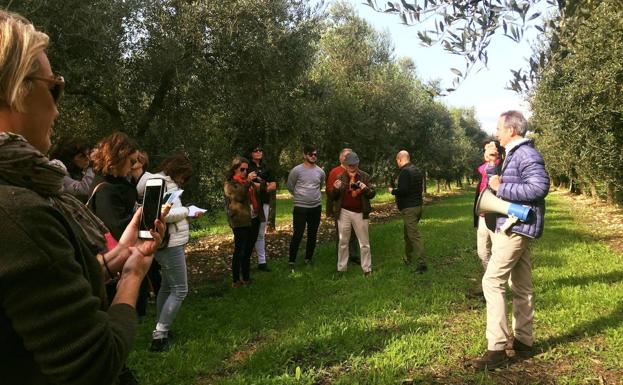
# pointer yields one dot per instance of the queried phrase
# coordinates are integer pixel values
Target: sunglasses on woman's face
(58, 85)
(242, 169)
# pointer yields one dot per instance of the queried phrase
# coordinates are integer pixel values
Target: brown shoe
(522, 350)
(492, 359)
(236, 284)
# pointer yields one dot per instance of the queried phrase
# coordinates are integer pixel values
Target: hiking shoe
(492, 359)
(236, 284)
(367, 274)
(263, 267)
(421, 268)
(291, 267)
(522, 350)
(159, 344)
(245, 283)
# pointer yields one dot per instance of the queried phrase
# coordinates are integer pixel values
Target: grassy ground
(312, 327)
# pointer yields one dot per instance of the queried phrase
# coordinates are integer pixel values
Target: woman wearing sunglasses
(56, 326)
(244, 216)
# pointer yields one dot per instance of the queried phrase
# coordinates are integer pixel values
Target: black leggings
(244, 240)
(302, 216)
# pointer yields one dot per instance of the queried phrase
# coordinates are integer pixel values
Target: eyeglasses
(57, 89)
(242, 169)
(313, 154)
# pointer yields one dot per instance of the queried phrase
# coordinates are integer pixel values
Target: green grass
(312, 327)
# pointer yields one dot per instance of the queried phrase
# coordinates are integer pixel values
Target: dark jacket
(409, 190)
(54, 328)
(365, 196)
(263, 172)
(524, 181)
(113, 202)
(238, 204)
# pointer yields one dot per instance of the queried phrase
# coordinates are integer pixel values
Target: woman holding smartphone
(175, 170)
(56, 325)
(244, 217)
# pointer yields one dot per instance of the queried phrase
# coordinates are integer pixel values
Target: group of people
(348, 194)
(110, 180)
(513, 169)
(71, 226)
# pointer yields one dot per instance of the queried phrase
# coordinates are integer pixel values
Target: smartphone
(152, 201)
(167, 197)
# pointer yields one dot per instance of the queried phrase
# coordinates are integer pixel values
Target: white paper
(193, 211)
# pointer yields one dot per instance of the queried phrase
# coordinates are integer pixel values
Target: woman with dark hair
(175, 170)
(56, 325)
(244, 216)
(74, 155)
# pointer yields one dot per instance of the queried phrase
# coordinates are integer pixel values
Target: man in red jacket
(353, 245)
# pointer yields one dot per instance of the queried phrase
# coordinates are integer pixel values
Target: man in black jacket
(408, 195)
(258, 166)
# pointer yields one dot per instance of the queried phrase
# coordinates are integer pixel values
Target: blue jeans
(173, 289)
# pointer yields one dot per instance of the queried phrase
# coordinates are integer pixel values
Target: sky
(483, 90)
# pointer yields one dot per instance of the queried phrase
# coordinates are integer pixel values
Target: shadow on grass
(584, 280)
(334, 351)
(584, 330)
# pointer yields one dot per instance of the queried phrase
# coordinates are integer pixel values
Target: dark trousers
(244, 239)
(272, 212)
(301, 217)
(413, 240)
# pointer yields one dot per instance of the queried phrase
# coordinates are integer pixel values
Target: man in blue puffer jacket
(524, 181)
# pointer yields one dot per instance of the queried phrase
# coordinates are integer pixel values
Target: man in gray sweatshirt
(304, 183)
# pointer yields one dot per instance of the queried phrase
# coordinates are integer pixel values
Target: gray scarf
(24, 166)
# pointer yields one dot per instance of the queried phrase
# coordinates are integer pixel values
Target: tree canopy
(213, 79)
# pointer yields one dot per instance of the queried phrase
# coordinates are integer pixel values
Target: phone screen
(152, 200)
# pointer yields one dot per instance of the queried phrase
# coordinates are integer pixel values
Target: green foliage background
(578, 104)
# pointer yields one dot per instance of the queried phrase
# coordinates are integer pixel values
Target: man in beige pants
(524, 181)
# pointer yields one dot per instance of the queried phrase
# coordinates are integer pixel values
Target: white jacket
(176, 221)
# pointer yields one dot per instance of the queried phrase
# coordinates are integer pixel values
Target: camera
(257, 180)
(354, 186)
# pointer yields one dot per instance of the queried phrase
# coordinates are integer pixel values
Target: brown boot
(492, 359)
(522, 350)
